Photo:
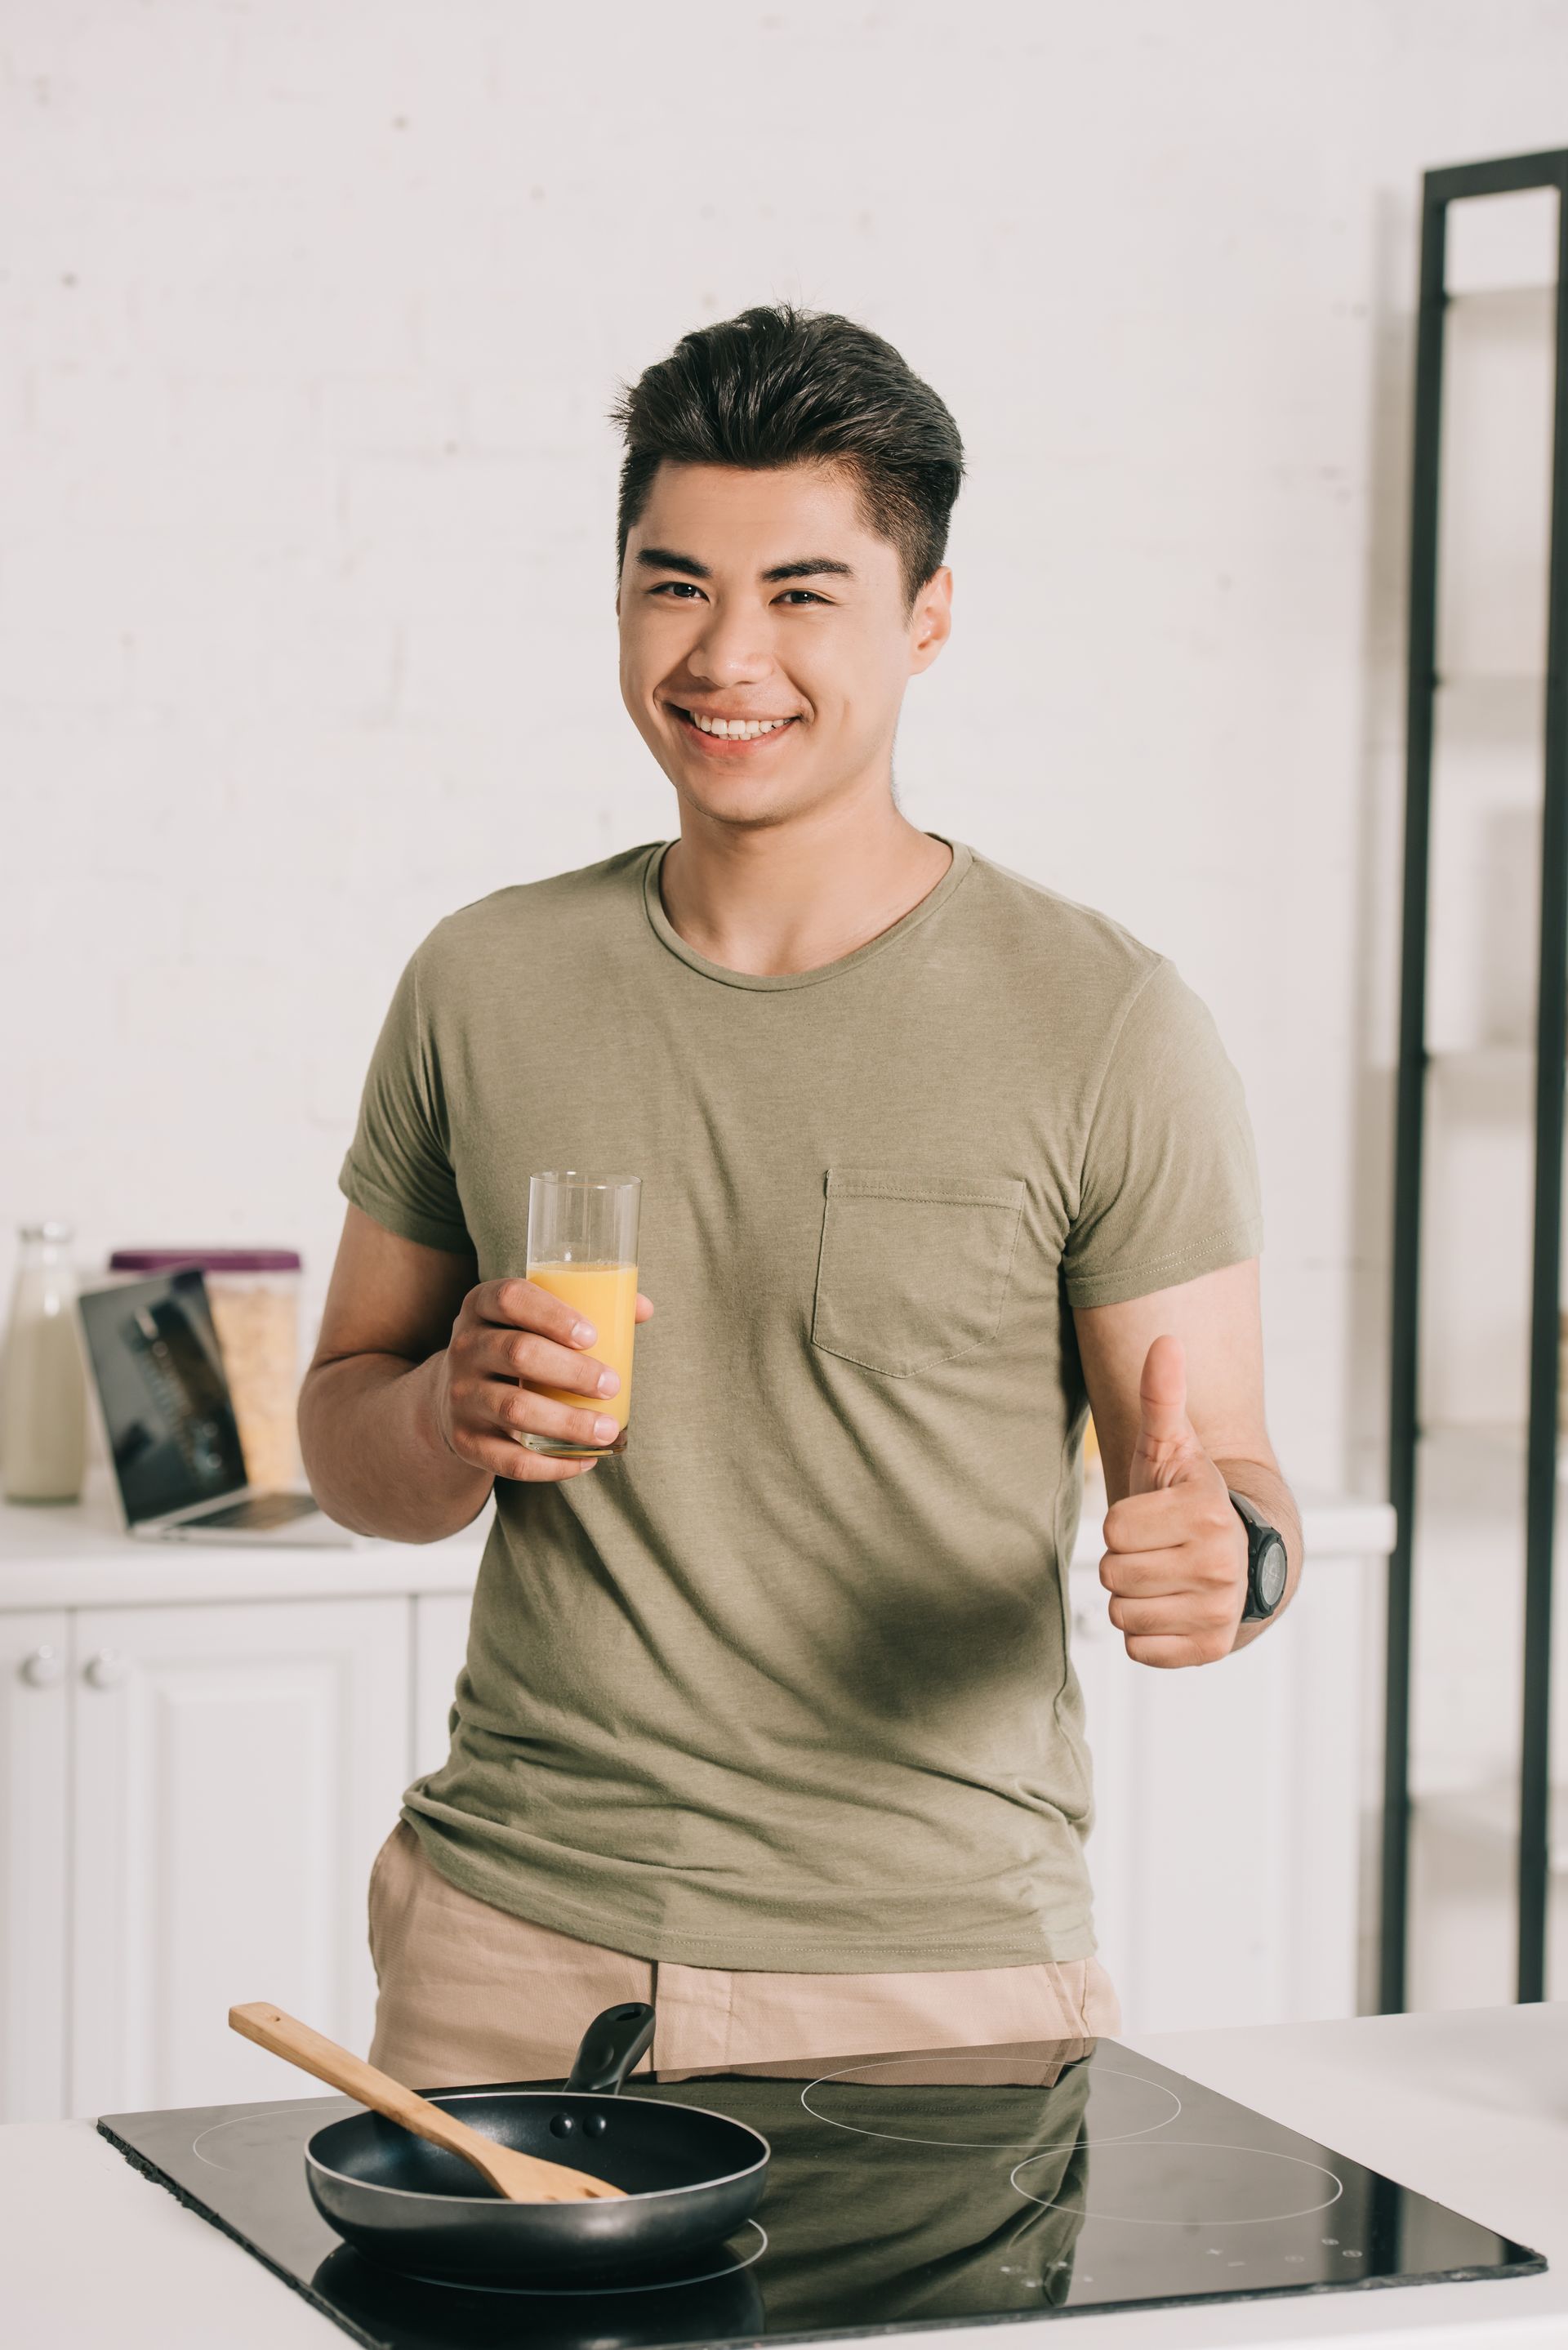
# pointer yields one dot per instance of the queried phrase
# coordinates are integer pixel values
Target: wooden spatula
(521, 2178)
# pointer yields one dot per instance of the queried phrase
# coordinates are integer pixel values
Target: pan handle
(610, 2047)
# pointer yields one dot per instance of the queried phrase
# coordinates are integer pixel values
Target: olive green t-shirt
(787, 1685)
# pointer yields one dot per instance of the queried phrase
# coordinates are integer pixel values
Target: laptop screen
(160, 1374)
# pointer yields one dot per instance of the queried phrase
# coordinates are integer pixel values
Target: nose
(731, 649)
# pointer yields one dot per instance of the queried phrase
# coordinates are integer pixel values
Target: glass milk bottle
(43, 1407)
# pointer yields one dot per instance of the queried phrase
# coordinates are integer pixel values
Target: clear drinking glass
(582, 1247)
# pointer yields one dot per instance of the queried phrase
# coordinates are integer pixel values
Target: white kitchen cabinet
(34, 1775)
(200, 1750)
(441, 1645)
(236, 1769)
(1225, 1852)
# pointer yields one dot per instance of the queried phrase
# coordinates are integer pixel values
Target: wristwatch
(1268, 1566)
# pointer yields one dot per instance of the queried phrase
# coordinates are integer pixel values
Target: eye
(803, 595)
(681, 587)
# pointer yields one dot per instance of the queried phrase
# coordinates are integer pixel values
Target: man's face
(763, 599)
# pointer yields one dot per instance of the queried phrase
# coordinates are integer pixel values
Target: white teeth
(737, 729)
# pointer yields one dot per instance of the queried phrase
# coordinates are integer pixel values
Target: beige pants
(469, 1992)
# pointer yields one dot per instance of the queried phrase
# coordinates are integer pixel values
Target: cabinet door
(34, 1694)
(236, 1768)
(1225, 1849)
(441, 1645)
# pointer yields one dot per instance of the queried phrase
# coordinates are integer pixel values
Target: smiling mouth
(731, 733)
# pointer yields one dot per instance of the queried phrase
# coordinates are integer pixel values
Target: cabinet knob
(106, 1670)
(42, 1668)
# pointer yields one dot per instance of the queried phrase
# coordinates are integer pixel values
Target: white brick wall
(309, 320)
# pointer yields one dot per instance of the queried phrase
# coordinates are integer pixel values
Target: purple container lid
(210, 1260)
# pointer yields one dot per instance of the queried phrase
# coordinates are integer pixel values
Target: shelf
(1488, 1814)
(1484, 1063)
(1471, 1485)
(1483, 1084)
(1487, 708)
(1483, 297)
(1498, 1441)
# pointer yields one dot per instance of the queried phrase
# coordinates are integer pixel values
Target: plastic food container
(254, 1296)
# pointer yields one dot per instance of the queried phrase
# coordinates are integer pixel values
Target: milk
(43, 1407)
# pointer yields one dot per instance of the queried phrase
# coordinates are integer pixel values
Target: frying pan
(690, 2178)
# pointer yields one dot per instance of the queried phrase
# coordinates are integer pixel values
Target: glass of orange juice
(582, 1247)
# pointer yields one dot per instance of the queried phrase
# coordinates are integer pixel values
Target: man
(772, 1716)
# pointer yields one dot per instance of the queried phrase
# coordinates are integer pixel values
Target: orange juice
(605, 1296)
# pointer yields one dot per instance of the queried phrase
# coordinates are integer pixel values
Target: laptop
(169, 1425)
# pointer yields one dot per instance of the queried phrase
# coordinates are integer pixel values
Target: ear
(931, 622)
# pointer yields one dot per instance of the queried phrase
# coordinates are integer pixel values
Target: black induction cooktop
(957, 2187)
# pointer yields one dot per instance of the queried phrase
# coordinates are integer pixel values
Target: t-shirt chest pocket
(912, 1269)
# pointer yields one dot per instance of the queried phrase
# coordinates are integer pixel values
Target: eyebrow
(806, 567)
(809, 567)
(662, 558)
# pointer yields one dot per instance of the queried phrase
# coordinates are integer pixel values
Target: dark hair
(780, 386)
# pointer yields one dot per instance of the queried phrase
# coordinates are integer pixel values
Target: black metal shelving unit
(1509, 176)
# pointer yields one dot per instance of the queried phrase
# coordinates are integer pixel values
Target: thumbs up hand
(1176, 1551)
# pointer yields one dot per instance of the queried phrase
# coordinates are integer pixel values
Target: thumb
(1162, 1393)
(1164, 1432)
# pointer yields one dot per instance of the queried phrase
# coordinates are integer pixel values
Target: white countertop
(75, 1555)
(1470, 2109)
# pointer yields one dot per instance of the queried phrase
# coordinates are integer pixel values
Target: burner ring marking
(1137, 2219)
(237, 2121)
(597, 2292)
(983, 2145)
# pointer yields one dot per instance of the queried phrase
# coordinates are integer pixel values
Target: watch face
(1274, 1569)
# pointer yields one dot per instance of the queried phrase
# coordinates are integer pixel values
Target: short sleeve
(1170, 1186)
(399, 1168)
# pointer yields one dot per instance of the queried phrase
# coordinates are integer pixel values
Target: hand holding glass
(581, 1248)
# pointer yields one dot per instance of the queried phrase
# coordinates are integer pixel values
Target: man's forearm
(1265, 1486)
(374, 1453)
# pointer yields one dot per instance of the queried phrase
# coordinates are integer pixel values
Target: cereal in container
(254, 1296)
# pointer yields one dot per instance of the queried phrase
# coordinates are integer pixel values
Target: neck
(768, 900)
